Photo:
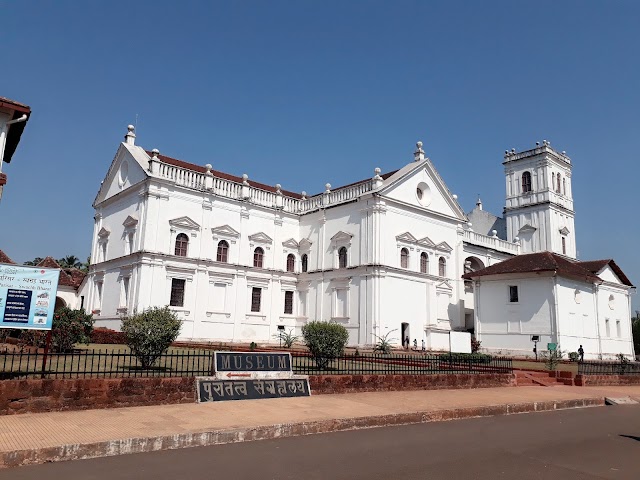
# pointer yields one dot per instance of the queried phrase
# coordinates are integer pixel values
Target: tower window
(291, 262)
(558, 185)
(182, 242)
(424, 263)
(564, 187)
(258, 257)
(442, 267)
(526, 182)
(404, 258)
(223, 251)
(342, 257)
(553, 180)
(305, 262)
(564, 245)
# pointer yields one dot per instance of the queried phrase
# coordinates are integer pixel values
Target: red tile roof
(594, 266)
(4, 258)
(233, 178)
(538, 262)
(69, 277)
(15, 130)
(13, 105)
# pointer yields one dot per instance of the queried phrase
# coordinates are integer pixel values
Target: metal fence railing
(609, 368)
(118, 363)
(104, 364)
(402, 365)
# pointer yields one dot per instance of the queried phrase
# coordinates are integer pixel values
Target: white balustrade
(491, 242)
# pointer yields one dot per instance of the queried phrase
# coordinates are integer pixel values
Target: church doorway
(404, 328)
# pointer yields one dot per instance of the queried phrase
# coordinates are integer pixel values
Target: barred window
(291, 262)
(177, 292)
(182, 242)
(288, 302)
(256, 297)
(404, 258)
(342, 257)
(526, 182)
(305, 262)
(258, 257)
(424, 263)
(223, 251)
(442, 267)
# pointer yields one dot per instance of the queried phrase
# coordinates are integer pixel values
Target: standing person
(423, 346)
(415, 344)
(406, 341)
(581, 353)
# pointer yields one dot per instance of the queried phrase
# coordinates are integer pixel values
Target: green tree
(149, 334)
(325, 341)
(70, 327)
(34, 262)
(70, 261)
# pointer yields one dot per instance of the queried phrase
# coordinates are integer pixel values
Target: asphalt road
(581, 444)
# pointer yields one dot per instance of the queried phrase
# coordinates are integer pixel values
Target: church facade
(238, 260)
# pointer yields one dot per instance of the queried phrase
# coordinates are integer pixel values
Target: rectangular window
(218, 299)
(303, 303)
(564, 245)
(618, 329)
(103, 251)
(124, 298)
(288, 303)
(341, 303)
(256, 296)
(177, 292)
(513, 294)
(607, 328)
(130, 242)
(98, 301)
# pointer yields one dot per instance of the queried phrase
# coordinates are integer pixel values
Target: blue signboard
(27, 296)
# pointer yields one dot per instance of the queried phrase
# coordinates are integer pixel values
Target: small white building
(557, 300)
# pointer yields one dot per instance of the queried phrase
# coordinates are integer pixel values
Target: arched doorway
(60, 303)
(406, 334)
(471, 264)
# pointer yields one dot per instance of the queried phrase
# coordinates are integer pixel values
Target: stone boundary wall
(50, 395)
(606, 380)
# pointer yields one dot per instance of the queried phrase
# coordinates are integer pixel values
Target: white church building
(238, 260)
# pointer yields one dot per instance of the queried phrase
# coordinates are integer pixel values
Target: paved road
(580, 444)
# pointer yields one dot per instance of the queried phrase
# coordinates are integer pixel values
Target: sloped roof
(69, 277)
(595, 266)
(15, 130)
(484, 222)
(538, 262)
(4, 258)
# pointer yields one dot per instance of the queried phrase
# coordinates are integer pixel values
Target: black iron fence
(609, 368)
(103, 364)
(118, 363)
(402, 365)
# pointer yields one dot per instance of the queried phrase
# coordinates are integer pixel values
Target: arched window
(291, 262)
(553, 180)
(305, 262)
(404, 258)
(424, 263)
(223, 251)
(182, 242)
(564, 186)
(258, 257)
(558, 187)
(526, 182)
(342, 257)
(442, 267)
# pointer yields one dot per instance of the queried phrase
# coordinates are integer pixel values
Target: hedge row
(108, 336)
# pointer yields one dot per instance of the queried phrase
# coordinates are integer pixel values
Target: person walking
(415, 344)
(581, 353)
(406, 342)
(423, 346)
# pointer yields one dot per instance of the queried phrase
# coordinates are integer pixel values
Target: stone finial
(130, 137)
(208, 168)
(327, 187)
(278, 189)
(153, 161)
(516, 240)
(376, 172)
(154, 154)
(513, 151)
(494, 233)
(537, 144)
(418, 155)
(304, 195)
(455, 197)
(479, 203)
(245, 179)
(470, 226)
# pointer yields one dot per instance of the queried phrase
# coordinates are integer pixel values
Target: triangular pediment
(527, 229)
(184, 222)
(426, 242)
(225, 231)
(130, 221)
(564, 231)
(305, 244)
(103, 233)
(260, 237)
(291, 243)
(433, 194)
(341, 237)
(406, 237)
(444, 246)
(444, 286)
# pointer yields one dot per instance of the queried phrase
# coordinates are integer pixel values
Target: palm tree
(70, 261)
(34, 262)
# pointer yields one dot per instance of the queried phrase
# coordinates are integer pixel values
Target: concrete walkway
(42, 437)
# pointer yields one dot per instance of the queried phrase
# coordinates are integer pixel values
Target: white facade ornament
(418, 155)
(153, 161)
(130, 137)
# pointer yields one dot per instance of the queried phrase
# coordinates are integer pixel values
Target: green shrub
(286, 338)
(475, 345)
(383, 344)
(107, 336)
(252, 346)
(149, 334)
(325, 341)
(552, 358)
(574, 356)
(70, 327)
(475, 358)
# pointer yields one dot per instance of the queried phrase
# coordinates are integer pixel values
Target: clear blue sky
(303, 93)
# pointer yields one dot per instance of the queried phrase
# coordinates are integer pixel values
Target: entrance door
(405, 333)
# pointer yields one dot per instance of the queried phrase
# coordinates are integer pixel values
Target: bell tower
(539, 200)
